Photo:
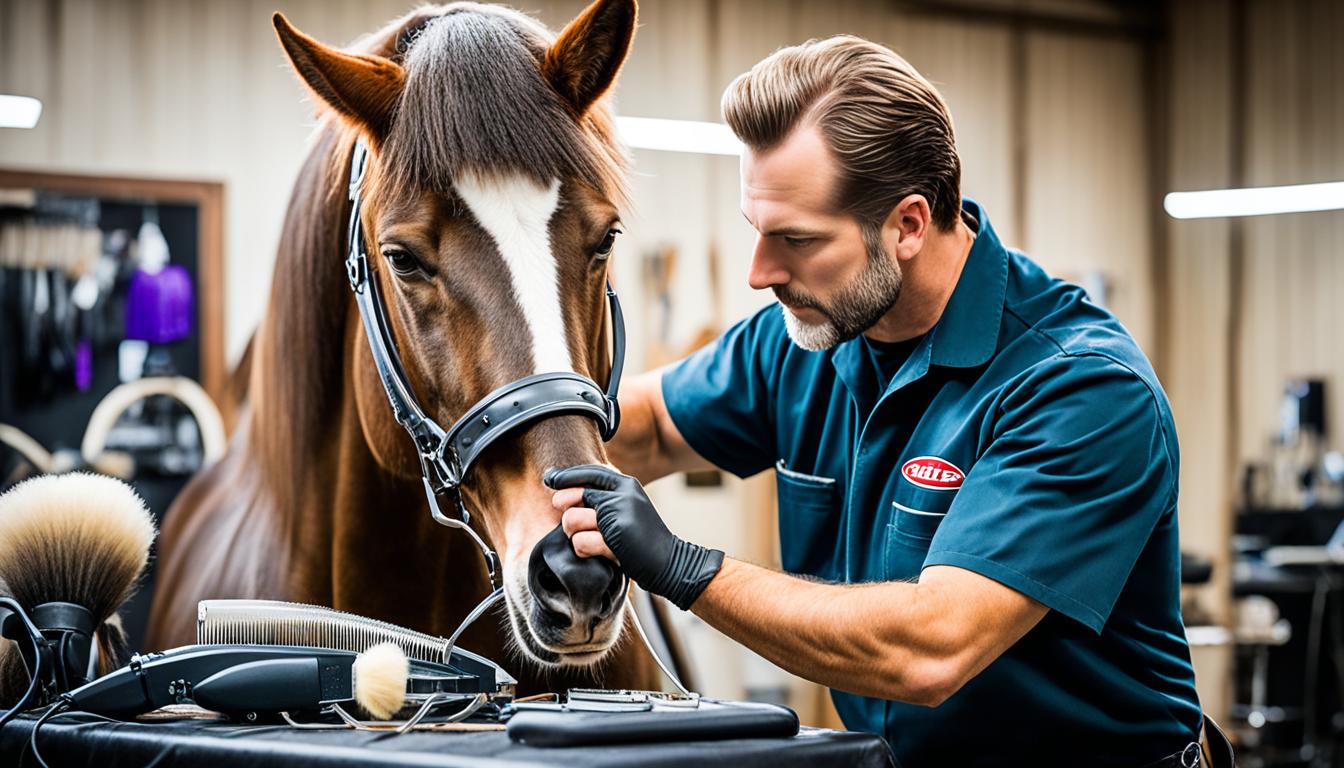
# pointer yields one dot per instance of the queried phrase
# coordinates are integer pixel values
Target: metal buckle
(1190, 756)
(357, 269)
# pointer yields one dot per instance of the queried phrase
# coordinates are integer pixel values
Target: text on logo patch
(933, 473)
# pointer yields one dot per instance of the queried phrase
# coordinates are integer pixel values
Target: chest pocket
(915, 517)
(808, 522)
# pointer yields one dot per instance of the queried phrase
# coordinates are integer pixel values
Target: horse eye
(608, 242)
(401, 260)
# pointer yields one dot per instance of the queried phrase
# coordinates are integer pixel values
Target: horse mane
(474, 102)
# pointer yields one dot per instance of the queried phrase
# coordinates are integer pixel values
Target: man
(976, 466)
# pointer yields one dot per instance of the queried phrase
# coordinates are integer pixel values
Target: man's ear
(362, 88)
(908, 225)
(583, 63)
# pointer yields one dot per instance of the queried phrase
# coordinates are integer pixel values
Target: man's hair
(887, 126)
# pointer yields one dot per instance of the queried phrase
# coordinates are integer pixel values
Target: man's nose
(765, 270)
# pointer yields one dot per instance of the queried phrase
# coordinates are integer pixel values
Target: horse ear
(583, 62)
(362, 88)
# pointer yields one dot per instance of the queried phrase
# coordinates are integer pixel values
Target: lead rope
(639, 627)
(475, 614)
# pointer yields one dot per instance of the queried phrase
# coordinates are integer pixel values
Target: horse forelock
(475, 103)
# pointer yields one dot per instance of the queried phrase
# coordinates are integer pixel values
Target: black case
(712, 720)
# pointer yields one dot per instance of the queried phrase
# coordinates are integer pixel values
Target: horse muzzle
(575, 603)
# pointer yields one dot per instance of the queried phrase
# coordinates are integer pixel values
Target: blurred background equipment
(1289, 582)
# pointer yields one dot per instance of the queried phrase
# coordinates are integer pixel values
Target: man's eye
(401, 261)
(798, 242)
(603, 249)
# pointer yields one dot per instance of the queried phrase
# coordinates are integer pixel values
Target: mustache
(795, 300)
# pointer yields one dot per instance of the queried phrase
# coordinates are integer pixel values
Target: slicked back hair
(887, 127)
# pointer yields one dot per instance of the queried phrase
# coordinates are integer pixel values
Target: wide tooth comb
(273, 622)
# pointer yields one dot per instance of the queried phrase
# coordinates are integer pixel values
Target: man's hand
(615, 505)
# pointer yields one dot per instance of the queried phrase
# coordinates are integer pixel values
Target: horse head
(490, 206)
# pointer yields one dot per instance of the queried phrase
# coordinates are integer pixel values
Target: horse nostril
(610, 594)
(550, 582)
(564, 583)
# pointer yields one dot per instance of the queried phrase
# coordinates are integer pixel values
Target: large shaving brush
(72, 550)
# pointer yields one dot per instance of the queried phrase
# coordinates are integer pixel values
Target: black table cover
(74, 740)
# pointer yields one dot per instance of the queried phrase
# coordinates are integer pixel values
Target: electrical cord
(60, 707)
(35, 635)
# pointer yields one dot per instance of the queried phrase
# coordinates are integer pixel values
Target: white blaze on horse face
(517, 211)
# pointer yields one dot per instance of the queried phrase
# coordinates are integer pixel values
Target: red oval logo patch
(933, 473)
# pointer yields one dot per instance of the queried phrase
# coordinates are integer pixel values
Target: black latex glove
(649, 553)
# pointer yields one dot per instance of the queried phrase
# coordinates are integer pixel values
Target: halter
(446, 456)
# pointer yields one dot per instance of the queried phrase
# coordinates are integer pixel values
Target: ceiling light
(1255, 201)
(19, 111)
(678, 135)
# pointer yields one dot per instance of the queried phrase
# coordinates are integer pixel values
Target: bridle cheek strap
(446, 456)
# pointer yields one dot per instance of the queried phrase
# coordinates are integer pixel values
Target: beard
(854, 308)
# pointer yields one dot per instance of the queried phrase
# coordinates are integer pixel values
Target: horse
(491, 202)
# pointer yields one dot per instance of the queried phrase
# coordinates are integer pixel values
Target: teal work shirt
(1025, 438)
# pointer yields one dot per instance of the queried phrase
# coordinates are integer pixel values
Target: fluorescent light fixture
(19, 111)
(1255, 201)
(678, 135)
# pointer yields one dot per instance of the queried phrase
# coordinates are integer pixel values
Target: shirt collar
(967, 333)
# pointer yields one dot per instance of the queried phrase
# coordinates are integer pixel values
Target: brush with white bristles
(75, 538)
(380, 675)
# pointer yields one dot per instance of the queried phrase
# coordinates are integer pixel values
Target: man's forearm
(637, 449)
(893, 640)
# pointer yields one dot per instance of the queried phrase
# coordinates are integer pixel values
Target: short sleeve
(720, 396)
(1080, 468)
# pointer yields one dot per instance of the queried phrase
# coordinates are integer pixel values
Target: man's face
(833, 279)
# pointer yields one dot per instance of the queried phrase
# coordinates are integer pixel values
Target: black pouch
(712, 720)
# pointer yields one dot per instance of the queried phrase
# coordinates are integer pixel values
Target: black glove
(649, 553)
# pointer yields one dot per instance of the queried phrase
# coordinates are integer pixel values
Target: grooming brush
(72, 548)
(437, 666)
(238, 679)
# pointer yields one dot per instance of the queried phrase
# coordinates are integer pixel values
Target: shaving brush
(380, 680)
(72, 549)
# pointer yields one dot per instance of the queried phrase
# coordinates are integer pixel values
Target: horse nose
(575, 590)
